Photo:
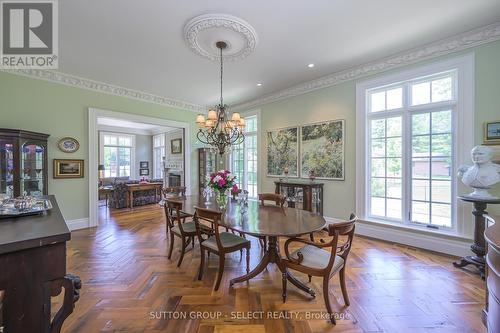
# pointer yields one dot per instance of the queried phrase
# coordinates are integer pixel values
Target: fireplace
(174, 180)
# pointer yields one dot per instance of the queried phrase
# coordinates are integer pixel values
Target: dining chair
(278, 200)
(179, 191)
(322, 259)
(178, 227)
(218, 243)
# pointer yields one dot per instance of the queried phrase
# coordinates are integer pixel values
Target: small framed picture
(144, 164)
(492, 133)
(176, 146)
(68, 168)
(144, 172)
(68, 145)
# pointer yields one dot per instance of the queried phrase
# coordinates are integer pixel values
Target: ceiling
(132, 126)
(140, 45)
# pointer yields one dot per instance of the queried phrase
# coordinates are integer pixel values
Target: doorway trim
(95, 113)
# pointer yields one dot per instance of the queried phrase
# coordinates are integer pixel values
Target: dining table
(261, 221)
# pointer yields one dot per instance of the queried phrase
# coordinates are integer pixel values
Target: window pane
(378, 187)
(420, 212)
(378, 167)
(441, 215)
(394, 126)
(377, 206)
(394, 147)
(421, 93)
(394, 98)
(441, 191)
(378, 101)
(441, 145)
(394, 188)
(394, 208)
(378, 128)
(420, 124)
(421, 168)
(441, 122)
(420, 145)
(394, 167)
(421, 190)
(378, 148)
(441, 168)
(441, 90)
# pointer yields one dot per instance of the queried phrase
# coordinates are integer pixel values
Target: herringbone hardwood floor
(129, 285)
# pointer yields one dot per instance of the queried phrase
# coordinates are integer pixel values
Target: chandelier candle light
(218, 130)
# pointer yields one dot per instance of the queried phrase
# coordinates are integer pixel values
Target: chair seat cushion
(227, 239)
(189, 227)
(317, 258)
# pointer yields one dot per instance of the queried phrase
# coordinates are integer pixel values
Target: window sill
(451, 234)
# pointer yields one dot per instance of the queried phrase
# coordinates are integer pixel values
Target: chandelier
(218, 129)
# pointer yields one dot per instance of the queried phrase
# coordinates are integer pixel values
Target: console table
(33, 269)
(141, 187)
(479, 246)
(302, 194)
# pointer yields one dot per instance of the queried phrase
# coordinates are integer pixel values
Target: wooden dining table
(261, 221)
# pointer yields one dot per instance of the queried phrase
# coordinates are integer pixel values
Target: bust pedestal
(479, 246)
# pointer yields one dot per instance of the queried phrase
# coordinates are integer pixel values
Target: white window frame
(155, 176)
(132, 149)
(257, 134)
(463, 104)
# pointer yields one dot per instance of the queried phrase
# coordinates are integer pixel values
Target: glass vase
(221, 199)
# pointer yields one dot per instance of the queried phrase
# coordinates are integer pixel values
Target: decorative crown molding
(201, 23)
(486, 34)
(106, 88)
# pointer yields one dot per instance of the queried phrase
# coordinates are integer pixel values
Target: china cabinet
(23, 163)
(302, 194)
(208, 162)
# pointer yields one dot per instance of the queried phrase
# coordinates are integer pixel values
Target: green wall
(60, 111)
(338, 102)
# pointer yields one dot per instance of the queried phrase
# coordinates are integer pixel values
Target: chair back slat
(171, 207)
(213, 216)
(278, 199)
(336, 230)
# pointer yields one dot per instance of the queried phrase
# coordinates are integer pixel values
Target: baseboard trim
(436, 243)
(78, 224)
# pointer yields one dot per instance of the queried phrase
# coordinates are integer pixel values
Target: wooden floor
(129, 285)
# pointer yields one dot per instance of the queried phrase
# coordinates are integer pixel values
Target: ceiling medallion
(204, 31)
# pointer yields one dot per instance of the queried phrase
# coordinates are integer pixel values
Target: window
(117, 154)
(244, 158)
(158, 155)
(411, 148)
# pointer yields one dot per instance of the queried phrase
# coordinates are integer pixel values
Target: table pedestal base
(272, 255)
(479, 262)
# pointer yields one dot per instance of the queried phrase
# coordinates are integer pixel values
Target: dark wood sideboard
(32, 270)
(492, 311)
(302, 194)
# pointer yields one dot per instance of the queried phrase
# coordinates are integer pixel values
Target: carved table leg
(479, 243)
(272, 255)
(72, 285)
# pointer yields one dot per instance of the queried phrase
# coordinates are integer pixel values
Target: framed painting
(144, 164)
(322, 149)
(176, 146)
(68, 168)
(283, 152)
(492, 133)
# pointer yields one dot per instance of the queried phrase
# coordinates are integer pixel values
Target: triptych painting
(317, 147)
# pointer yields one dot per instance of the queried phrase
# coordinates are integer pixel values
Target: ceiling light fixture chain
(217, 130)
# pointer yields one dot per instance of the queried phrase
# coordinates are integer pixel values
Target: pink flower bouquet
(221, 181)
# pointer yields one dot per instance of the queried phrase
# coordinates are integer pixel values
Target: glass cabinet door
(6, 168)
(32, 164)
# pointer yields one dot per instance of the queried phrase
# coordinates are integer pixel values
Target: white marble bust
(482, 175)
